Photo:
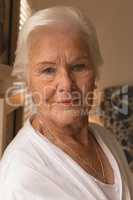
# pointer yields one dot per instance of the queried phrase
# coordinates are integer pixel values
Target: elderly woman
(58, 154)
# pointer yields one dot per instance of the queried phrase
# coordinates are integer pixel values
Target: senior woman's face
(60, 73)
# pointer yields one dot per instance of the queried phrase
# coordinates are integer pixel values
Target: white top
(111, 191)
(34, 168)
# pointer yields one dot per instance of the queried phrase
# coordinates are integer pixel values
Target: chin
(66, 117)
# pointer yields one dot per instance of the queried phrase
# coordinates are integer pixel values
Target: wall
(113, 20)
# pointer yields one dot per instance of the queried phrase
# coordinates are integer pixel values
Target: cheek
(42, 91)
(86, 83)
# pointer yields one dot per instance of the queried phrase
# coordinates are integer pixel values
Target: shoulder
(22, 160)
(102, 132)
(22, 174)
(107, 138)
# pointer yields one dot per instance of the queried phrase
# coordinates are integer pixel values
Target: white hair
(51, 15)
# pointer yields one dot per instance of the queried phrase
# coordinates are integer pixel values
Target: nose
(65, 82)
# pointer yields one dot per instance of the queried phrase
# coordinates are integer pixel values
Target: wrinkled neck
(76, 131)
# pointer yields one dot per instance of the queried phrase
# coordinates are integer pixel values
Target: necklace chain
(47, 132)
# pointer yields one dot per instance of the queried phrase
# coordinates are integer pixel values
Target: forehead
(57, 40)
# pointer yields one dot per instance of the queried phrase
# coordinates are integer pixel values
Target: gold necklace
(47, 133)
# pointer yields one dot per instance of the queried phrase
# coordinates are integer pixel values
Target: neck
(75, 131)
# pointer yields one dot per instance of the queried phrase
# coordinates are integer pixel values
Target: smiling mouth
(66, 102)
(69, 102)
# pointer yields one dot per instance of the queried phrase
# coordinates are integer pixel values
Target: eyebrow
(46, 62)
(80, 58)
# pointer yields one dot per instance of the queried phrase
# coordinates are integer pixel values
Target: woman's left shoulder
(102, 131)
(108, 139)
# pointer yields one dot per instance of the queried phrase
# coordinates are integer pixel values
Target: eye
(48, 70)
(78, 67)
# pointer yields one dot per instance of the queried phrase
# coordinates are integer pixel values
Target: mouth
(69, 102)
(66, 102)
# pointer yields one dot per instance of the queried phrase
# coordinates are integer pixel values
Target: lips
(66, 102)
(69, 102)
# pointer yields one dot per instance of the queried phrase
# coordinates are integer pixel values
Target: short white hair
(51, 15)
